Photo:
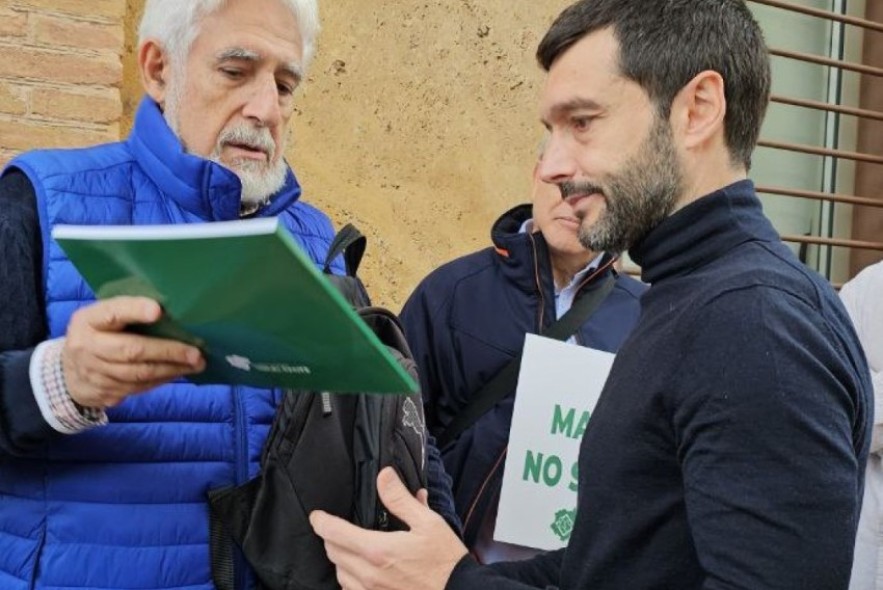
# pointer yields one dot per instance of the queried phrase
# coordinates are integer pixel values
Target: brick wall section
(60, 73)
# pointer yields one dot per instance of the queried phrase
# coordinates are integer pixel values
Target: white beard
(260, 180)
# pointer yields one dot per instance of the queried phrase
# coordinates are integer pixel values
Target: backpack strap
(504, 382)
(350, 242)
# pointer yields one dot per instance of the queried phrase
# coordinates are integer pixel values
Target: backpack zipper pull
(326, 403)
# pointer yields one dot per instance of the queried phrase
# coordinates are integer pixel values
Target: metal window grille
(852, 43)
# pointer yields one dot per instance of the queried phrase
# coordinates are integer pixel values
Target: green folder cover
(244, 293)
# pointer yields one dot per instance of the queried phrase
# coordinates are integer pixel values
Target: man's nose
(262, 105)
(557, 164)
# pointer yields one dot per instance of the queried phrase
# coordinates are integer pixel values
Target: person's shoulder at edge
(861, 295)
(868, 279)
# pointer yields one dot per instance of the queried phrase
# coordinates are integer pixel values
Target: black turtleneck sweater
(728, 448)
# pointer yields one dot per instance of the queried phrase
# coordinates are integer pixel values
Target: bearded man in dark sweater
(728, 447)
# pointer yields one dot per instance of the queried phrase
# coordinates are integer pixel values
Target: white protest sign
(558, 387)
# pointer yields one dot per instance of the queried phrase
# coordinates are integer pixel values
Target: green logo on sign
(563, 524)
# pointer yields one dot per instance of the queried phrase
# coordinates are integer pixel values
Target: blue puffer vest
(124, 506)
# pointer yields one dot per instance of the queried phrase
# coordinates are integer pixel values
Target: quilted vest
(124, 506)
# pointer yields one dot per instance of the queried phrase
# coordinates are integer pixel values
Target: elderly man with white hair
(100, 487)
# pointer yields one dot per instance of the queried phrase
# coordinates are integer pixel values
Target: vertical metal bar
(832, 138)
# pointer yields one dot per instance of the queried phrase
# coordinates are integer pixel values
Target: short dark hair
(663, 44)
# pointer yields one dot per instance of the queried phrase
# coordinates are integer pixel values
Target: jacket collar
(526, 260)
(525, 256)
(702, 231)
(200, 186)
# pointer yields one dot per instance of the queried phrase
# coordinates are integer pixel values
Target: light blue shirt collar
(564, 297)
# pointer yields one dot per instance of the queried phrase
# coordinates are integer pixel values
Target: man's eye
(232, 73)
(285, 89)
(581, 123)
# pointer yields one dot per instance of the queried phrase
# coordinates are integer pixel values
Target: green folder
(244, 293)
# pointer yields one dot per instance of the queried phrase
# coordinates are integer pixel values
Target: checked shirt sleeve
(56, 405)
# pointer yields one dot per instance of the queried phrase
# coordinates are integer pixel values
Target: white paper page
(179, 231)
(558, 387)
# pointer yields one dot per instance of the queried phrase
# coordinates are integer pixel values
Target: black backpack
(323, 452)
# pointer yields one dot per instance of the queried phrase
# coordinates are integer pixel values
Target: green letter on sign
(537, 466)
(532, 467)
(552, 471)
(563, 423)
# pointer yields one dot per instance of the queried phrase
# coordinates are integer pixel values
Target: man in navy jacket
(468, 319)
(728, 447)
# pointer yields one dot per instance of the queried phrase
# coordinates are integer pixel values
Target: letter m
(563, 423)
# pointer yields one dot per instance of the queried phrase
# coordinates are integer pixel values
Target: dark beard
(638, 198)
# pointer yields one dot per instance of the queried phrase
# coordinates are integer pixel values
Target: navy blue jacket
(728, 448)
(468, 319)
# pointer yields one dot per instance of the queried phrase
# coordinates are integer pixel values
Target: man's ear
(699, 109)
(155, 69)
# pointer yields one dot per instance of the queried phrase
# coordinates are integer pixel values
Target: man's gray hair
(175, 24)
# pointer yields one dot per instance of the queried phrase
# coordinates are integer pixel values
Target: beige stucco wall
(418, 123)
